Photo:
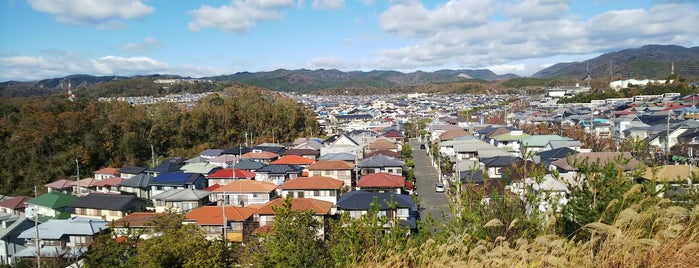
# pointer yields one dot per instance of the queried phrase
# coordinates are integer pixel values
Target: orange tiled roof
(108, 171)
(315, 182)
(330, 165)
(318, 207)
(213, 215)
(293, 160)
(229, 173)
(246, 186)
(260, 155)
(136, 219)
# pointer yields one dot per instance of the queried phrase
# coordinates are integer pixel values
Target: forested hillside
(40, 138)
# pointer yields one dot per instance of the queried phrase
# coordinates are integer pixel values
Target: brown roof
(452, 134)
(496, 132)
(136, 219)
(330, 165)
(310, 183)
(60, 184)
(318, 207)
(381, 144)
(393, 154)
(108, 171)
(381, 180)
(112, 181)
(15, 202)
(246, 186)
(301, 152)
(393, 134)
(213, 215)
(670, 173)
(592, 157)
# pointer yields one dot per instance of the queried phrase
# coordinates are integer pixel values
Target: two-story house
(318, 187)
(336, 169)
(395, 207)
(380, 163)
(178, 180)
(239, 222)
(66, 238)
(107, 206)
(245, 192)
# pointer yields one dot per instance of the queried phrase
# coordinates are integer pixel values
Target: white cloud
(447, 40)
(40, 67)
(239, 16)
(142, 47)
(328, 4)
(412, 18)
(537, 9)
(102, 14)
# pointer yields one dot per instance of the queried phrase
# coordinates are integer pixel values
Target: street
(425, 181)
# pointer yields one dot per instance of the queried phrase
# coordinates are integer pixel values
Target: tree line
(41, 138)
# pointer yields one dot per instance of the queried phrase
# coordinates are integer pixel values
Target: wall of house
(324, 195)
(102, 214)
(244, 199)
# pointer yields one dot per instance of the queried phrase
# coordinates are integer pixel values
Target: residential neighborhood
(360, 164)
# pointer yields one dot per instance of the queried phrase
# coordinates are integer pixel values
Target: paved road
(425, 181)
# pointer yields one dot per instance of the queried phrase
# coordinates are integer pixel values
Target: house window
(332, 192)
(299, 194)
(316, 193)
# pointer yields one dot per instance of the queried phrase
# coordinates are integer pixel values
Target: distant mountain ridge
(650, 61)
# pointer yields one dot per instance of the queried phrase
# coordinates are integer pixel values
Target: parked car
(439, 188)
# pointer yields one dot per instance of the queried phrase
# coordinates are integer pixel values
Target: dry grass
(663, 236)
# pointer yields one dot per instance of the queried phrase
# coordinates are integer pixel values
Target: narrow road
(425, 181)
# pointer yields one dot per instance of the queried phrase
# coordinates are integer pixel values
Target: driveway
(425, 181)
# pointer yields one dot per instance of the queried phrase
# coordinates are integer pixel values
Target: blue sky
(52, 38)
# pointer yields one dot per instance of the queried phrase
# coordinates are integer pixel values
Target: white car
(439, 188)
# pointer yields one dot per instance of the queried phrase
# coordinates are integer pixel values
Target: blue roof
(361, 200)
(175, 179)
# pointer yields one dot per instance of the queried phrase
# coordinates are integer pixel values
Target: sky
(42, 39)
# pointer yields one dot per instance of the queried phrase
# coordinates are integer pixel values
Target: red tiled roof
(15, 202)
(310, 183)
(229, 173)
(330, 165)
(318, 207)
(136, 219)
(108, 171)
(213, 215)
(246, 186)
(60, 184)
(293, 160)
(112, 181)
(265, 229)
(212, 187)
(393, 134)
(381, 180)
(260, 155)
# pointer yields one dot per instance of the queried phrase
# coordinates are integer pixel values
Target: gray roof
(380, 160)
(13, 222)
(55, 229)
(132, 170)
(211, 152)
(116, 202)
(280, 169)
(338, 156)
(249, 164)
(181, 195)
(139, 181)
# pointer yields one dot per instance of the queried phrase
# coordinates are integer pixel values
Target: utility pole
(36, 231)
(225, 221)
(152, 155)
(77, 175)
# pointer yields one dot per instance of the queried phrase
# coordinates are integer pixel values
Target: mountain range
(651, 61)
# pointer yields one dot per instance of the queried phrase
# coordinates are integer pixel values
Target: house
(107, 206)
(317, 187)
(84, 186)
(380, 163)
(51, 205)
(269, 147)
(278, 174)
(395, 135)
(322, 211)
(452, 134)
(137, 185)
(131, 171)
(239, 222)
(11, 226)
(381, 144)
(62, 186)
(180, 200)
(237, 150)
(294, 160)
(388, 153)
(169, 166)
(494, 165)
(336, 169)
(392, 206)
(209, 154)
(537, 143)
(381, 182)
(261, 156)
(245, 192)
(626, 161)
(14, 205)
(107, 172)
(249, 165)
(671, 180)
(512, 139)
(66, 238)
(470, 150)
(305, 152)
(109, 185)
(201, 168)
(340, 144)
(137, 223)
(169, 181)
(228, 175)
(225, 160)
(347, 157)
(571, 144)
(546, 157)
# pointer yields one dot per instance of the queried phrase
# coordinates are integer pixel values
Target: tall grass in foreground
(663, 235)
